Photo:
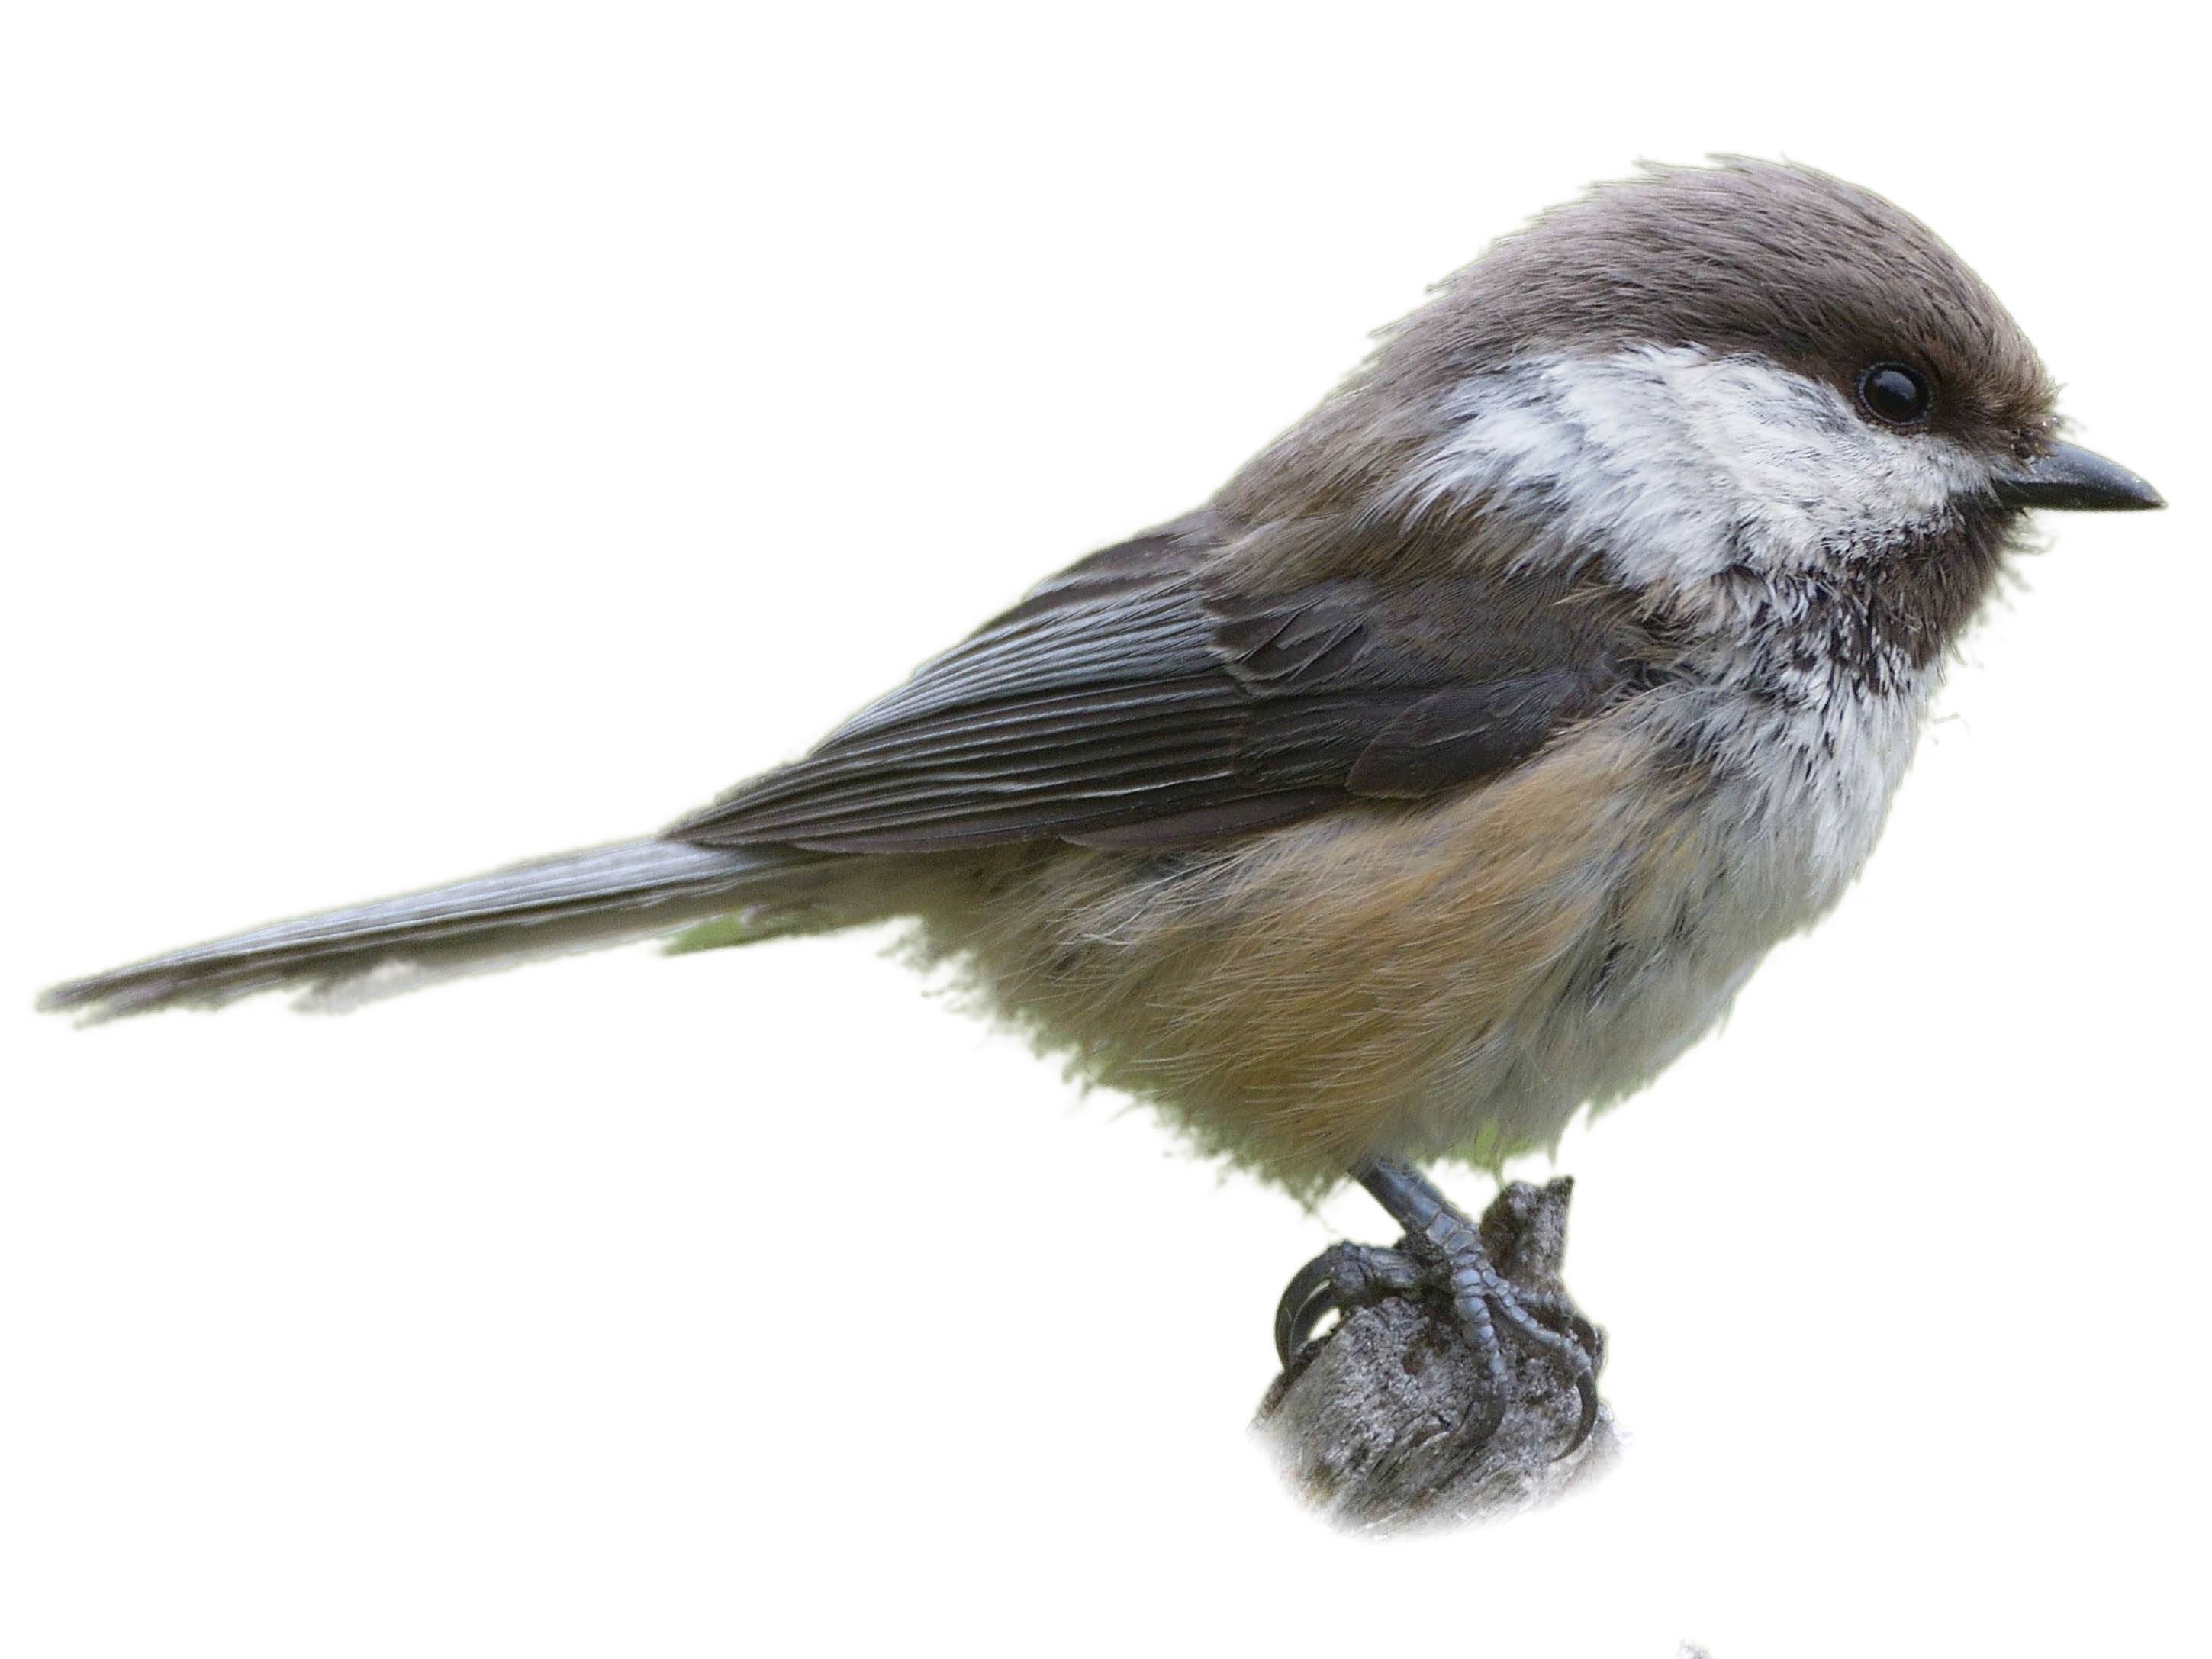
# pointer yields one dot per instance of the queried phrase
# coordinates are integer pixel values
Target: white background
(437, 434)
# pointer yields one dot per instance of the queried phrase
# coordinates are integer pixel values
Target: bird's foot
(1443, 1258)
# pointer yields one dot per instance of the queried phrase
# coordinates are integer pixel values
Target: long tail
(579, 902)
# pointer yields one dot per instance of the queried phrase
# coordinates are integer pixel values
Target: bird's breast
(1463, 974)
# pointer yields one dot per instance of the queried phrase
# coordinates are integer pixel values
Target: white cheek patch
(1677, 464)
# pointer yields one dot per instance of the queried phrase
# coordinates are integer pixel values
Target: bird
(1449, 771)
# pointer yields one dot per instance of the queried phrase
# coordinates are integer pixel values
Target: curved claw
(1341, 1278)
(1575, 1360)
(1306, 1301)
(1584, 1374)
(1519, 1309)
(1586, 1386)
(1488, 1417)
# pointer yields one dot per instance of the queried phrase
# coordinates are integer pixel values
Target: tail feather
(580, 901)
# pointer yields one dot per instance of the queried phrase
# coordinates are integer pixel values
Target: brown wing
(1139, 700)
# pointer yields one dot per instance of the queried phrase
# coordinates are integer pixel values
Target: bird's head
(1700, 381)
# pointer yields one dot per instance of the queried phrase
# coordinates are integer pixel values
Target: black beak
(2071, 476)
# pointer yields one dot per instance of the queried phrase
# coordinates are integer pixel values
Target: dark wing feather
(1140, 699)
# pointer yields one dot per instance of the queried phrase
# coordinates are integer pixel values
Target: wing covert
(1139, 700)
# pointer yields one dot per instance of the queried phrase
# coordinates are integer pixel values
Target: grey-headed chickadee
(1450, 768)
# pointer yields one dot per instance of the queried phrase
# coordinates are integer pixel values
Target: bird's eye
(1894, 393)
